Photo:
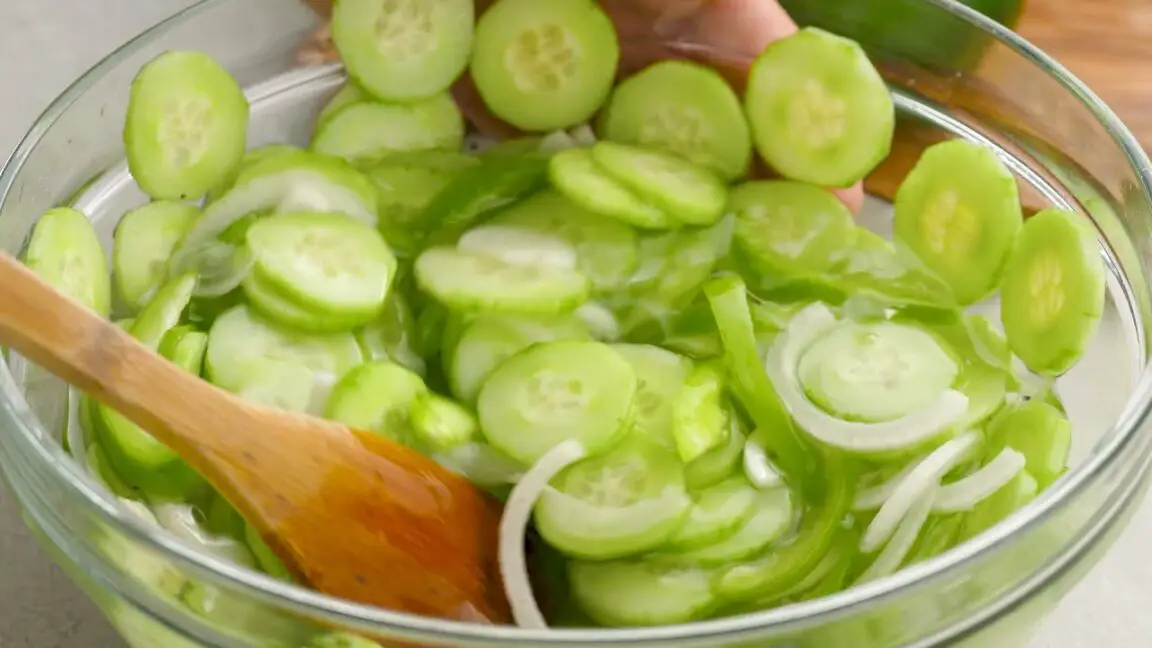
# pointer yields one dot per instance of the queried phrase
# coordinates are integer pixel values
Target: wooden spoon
(350, 513)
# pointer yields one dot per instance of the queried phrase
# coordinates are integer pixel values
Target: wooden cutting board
(1107, 44)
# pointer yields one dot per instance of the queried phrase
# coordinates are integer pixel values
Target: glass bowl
(986, 84)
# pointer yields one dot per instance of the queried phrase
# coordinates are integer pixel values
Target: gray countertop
(44, 44)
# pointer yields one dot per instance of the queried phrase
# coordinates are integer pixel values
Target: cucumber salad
(701, 390)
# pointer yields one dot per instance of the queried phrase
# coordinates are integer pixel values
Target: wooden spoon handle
(96, 356)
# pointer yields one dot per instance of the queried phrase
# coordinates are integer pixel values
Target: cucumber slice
(299, 181)
(187, 125)
(163, 311)
(471, 282)
(377, 397)
(393, 336)
(660, 377)
(65, 252)
(519, 246)
(959, 211)
(489, 340)
(624, 503)
(250, 158)
(688, 193)
(773, 518)
(144, 239)
(366, 130)
(273, 304)
(577, 175)
(700, 415)
(718, 512)
(348, 94)
(641, 593)
(683, 108)
(441, 425)
(819, 111)
(605, 247)
(876, 372)
(403, 50)
(184, 346)
(557, 391)
(791, 229)
(720, 463)
(249, 356)
(544, 66)
(329, 262)
(1053, 292)
(1038, 431)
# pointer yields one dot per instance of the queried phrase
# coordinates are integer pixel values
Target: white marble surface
(44, 44)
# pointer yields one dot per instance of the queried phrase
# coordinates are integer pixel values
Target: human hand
(725, 34)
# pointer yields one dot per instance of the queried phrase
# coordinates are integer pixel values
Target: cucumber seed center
(550, 395)
(818, 115)
(182, 131)
(543, 59)
(949, 226)
(1046, 289)
(404, 28)
(615, 484)
(679, 128)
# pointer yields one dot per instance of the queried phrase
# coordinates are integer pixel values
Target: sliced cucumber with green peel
(1053, 292)
(718, 512)
(185, 347)
(377, 397)
(873, 266)
(163, 311)
(471, 282)
(626, 502)
(605, 247)
(392, 336)
(959, 212)
(575, 173)
(272, 303)
(489, 340)
(290, 182)
(1038, 431)
(325, 261)
(700, 415)
(250, 158)
(496, 182)
(187, 125)
(641, 593)
(790, 229)
(819, 111)
(403, 50)
(65, 252)
(683, 108)
(251, 357)
(720, 463)
(544, 66)
(660, 376)
(690, 194)
(876, 372)
(773, 517)
(406, 190)
(366, 130)
(348, 94)
(144, 239)
(440, 424)
(557, 391)
(519, 246)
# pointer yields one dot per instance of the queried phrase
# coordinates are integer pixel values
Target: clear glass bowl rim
(38, 444)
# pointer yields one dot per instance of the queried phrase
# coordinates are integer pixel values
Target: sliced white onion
(758, 469)
(923, 479)
(918, 426)
(514, 523)
(519, 246)
(903, 540)
(180, 520)
(874, 497)
(601, 322)
(583, 135)
(963, 495)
